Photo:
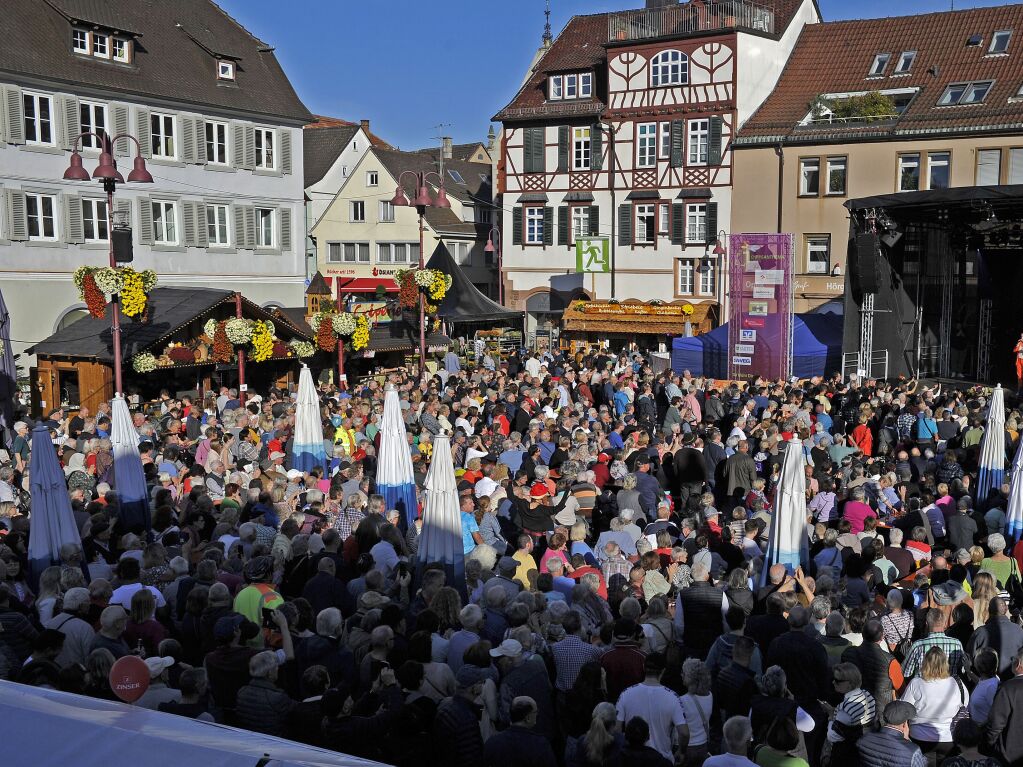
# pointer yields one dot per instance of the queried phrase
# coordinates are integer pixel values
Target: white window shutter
(145, 221)
(238, 145)
(285, 150)
(285, 214)
(71, 120)
(144, 131)
(250, 227)
(122, 209)
(250, 147)
(118, 125)
(202, 238)
(187, 139)
(188, 221)
(17, 218)
(200, 140)
(15, 123)
(74, 228)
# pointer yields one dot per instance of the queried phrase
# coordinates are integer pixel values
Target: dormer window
(80, 41)
(880, 63)
(1000, 42)
(121, 50)
(571, 86)
(100, 45)
(225, 70)
(905, 63)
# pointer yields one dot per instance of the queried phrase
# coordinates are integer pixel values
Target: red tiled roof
(836, 57)
(337, 122)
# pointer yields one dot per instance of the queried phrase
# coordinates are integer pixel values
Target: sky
(410, 66)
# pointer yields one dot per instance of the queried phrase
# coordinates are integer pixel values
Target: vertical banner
(760, 306)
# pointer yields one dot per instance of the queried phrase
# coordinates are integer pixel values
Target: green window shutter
(15, 124)
(540, 149)
(563, 223)
(74, 226)
(714, 148)
(286, 152)
(625, 224)
(533, 146)
(17, 216)
(71, 119)
(517, 214)
(678, 143)
(144, 131)
(596, 147)
(527, 150)
(145, 221)
(548, 226)
(678, 223)
(712, 221)
(119, 125)
(563, 148)
(285, 230)
(594, 221)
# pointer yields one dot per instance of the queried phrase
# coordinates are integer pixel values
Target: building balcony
(688, 19)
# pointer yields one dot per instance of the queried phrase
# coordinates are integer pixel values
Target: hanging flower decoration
(344, 324)
(408, 293)
(133, 294)
(143, 363)
(222, 350)
(239, 331)
(302, 348)
(262, 341)
(95, 283)
(210, 328)
(360, 338)
(687, 310)
(325, 337)
(93, 297)
(433, 283)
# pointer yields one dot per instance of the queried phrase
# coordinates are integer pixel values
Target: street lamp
(106, 171)
(421, 202)
(489, 248)
(719, 252)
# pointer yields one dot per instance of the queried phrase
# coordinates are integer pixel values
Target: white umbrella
(788, 544)
(1014, 512)
(441, 538)
(129, 478)
(992, 448)
(307, 449)
(394, 479)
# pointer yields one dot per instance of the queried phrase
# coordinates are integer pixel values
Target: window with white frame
(585, 85)
(397, 252)
(266, 157)
(809, 176)
(217, 226)
(461, 252)
(93, 120)
(225, 70)
(965, 93)
(836, 175)
(37, 111)
(556, 88)
(94, 220)
(1000, 41)
(909, 172)
(580, 222)
(708, 279)
(880, 62)
(696, 222)
(989, 167)
(534, 225)
(163, 142)
(571, 86)
(100, 45)
(121, 50)
(357, 209)
(216, 143)
(165, 222)
(348, 252)
(686, 275)
(580, 149)
(646, 223)
(938, 167)
(40, 215)
(80, 40)
(646, 145)
(699, 141)
(665, 140)
(905, 62)
(578, 85)
(372, 178)
(818, 254)
(664, 218)
(386, 212)
(669, 68)
(266, 226)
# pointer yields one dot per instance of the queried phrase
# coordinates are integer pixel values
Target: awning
(533, 197)
(644, 194)
(579, 197)
(693, 193)
(366, 284)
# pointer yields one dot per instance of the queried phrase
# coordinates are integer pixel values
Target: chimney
(445, 147)
(365, 125)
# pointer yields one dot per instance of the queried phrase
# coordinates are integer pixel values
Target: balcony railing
(689, 18)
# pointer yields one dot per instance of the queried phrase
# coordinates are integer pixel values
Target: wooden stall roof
(170, 310)
(633, 318)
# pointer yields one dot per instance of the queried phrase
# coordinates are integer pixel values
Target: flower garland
(262, 341)
(344, 324)
(325, 337)
(360, 338)
(133, 294)
(210, 328)
(222, 351)
(433, 283)
(239, 331)
(408, 293)
(95, 283)
(143, 363)
(302, 348)
(93, 297)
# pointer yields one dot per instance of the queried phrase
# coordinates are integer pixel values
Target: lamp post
(720, 252)
(421, 202)
(107, 173)
(608, 128)
(489, 248)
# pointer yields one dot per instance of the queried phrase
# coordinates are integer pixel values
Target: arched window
(669, 68)
(70, 316)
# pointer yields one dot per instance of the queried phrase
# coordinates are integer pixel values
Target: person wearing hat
(20, 448)
(158, 692)
(259, 594)
(78, 632)
(890, 746)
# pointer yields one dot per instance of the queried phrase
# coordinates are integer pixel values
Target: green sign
(592, 254)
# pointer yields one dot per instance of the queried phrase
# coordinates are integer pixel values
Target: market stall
(588, 324)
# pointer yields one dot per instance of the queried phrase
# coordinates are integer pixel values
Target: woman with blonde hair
(47, 602)
(601, 744)
(657, 626)
(984, 588)
(142, 627)
(937, 697)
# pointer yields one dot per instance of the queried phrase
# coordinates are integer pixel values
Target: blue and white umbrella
(1014, 512)
(992, 448)
(788, 543)
(307, 449)
(395, 481)
(52, 524)
(129, 478)
(440, 541)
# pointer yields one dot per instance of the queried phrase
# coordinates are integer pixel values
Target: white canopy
(50, 727)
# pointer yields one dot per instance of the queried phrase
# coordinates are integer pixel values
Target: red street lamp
(489, 248)
(106, 171)
(422, 201)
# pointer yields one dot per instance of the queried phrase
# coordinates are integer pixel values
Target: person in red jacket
(863, 438)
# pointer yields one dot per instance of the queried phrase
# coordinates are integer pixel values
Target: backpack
(902, 648)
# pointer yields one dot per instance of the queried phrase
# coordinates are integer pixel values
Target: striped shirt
(856, 708)
(953, 649)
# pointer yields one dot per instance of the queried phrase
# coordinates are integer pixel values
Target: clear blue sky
(409, 65)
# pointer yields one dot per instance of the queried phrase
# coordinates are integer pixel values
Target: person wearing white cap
(20, 446)
(78, 633)
(158, 691)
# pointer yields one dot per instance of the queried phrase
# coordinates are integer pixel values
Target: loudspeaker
(865, 263)
(123, 251)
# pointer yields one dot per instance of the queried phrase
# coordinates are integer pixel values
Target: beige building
(874, 107)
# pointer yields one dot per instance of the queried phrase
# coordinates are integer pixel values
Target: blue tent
(816, 348)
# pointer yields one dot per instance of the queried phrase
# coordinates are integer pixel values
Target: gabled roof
(471, 190)
(336, 122)
(172, 59)
(462, 152)
(318, 286)
(321, 148)
(836, 57)
(443, 221)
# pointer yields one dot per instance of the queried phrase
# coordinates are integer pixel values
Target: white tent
(49, 727)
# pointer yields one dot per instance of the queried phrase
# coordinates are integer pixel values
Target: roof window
(225, 70)
(456, 176)
(1000, 41)
(905, 63)
(965, 93)
(974, 41)
(880, 63)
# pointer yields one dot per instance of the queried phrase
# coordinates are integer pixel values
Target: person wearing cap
(158, 691)
(20, 447)
(890, 746)
(521, 743)
(78, 632)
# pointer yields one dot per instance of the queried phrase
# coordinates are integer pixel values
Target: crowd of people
(617, 606)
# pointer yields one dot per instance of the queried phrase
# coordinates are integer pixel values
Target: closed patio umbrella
(52, 524)
(788, 543)
(395, 481)
(129, 478)
(440, 541)
(307, 449)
